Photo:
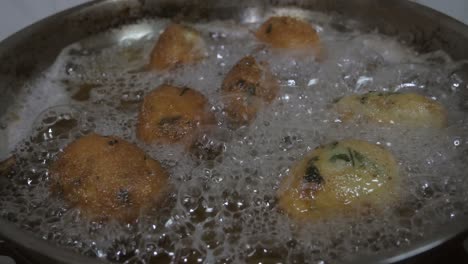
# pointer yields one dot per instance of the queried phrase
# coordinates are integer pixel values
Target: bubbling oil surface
(224, 210)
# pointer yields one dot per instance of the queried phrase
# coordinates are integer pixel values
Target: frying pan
(25, 54)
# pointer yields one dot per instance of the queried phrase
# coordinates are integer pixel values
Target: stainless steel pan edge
(25, 54)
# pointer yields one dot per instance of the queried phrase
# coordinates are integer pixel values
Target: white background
(17, 14)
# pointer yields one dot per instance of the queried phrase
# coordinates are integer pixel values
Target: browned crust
(245, 88)
(289, 33)
(171, 114)
(177, 45)
(108, 178)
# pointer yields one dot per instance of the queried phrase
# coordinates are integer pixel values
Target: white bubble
(225, 209)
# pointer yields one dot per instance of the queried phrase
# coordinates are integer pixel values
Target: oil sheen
(225, 210)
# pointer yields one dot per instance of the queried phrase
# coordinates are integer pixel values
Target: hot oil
(225, 210)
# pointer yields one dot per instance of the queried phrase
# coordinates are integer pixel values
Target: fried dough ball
(108, 178)
(7, 166)
(245, 88)
(177, 45)
(171, 114)
(289, 33)
(408, 109)
(339, 177)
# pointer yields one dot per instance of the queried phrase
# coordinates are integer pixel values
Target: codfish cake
(285, 32)
(171, 114)
(108, 178)
(177, 45)
(337, 178)
(408, 109)
(246, 87)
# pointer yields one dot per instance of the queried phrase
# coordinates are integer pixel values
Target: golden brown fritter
(408, 109)
(245, 88)
(177, 45)
(289, 33)
(108, 178)
(7, 166)
(337, 178)
(172, 114)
